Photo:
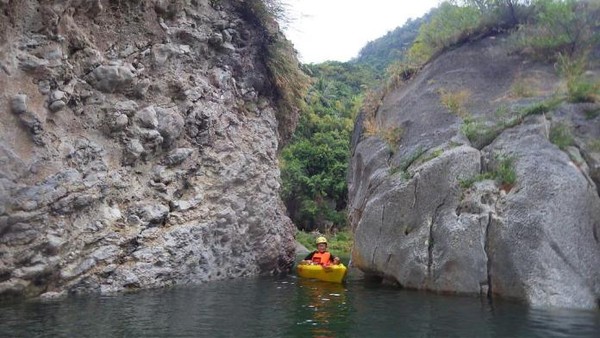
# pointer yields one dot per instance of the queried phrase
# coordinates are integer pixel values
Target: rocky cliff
(138, 146)
(432, 211)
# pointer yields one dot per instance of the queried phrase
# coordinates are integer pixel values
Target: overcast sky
(324, 30)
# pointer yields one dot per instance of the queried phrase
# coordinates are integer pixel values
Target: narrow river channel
(287, 307)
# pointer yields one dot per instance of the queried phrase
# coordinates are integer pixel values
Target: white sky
(324, 30)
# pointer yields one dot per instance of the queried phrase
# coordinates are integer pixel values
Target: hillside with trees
(393, 46)
(314, 164)
(563, 32)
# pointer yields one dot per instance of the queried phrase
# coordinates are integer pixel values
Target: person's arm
(310, 256)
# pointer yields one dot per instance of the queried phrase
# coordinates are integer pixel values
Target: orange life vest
(321, 258)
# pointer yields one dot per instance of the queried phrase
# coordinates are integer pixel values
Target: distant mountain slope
(381, 52)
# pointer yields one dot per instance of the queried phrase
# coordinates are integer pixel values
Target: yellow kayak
(332, 273)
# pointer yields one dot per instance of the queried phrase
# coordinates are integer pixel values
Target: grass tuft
(561, 136)
(456, 101)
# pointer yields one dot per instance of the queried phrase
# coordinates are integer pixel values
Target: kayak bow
(331, 273)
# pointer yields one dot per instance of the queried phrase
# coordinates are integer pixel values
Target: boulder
(543, 241)
(111, 78)
(489, 207)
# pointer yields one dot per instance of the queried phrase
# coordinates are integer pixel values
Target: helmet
(321, 240)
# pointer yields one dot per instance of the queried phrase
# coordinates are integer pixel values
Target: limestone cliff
(426, 214)
(138, 146)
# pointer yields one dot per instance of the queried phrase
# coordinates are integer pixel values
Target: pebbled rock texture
(135, 149)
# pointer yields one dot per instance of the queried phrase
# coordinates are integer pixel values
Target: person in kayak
(321, 255)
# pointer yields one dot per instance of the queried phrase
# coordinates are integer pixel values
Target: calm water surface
(287, 307)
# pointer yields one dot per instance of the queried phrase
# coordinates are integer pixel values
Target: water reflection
(288, 307)
(563, 323)
(321, 309)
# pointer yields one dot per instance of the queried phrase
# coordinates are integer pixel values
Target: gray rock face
(122, 163)
(543, 241)
(428, 212)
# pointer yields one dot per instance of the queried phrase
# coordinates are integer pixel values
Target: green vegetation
(290, 82)
(479, 133)
(594, 145)
(314, 165)
(539, 108)
(449, 25)
(579, 88)
(339, 243)
(434, 154)
(503, 173)
(559, 26)
(523, 88)
(390, 135)
(455, 101)
(560, 134)
(545, 27)
(379, 54)
(592, 113)
(410, 159)
(468, 183)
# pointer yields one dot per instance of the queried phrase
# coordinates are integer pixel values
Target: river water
(287, 307)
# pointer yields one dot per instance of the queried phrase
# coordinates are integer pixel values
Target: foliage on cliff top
(290, 82)
(382, 52)
(547, 27)
(544, 29)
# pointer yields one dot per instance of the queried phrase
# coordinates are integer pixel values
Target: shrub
(503, 173)
(502, 111)
(390, 135)
(449, 25)
(290, 82)
(560, 26)
(456, 101)
(398, 72)
(579, 88)
(371, 104)
(434, 154)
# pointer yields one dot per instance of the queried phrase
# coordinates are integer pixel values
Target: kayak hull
(333, 273)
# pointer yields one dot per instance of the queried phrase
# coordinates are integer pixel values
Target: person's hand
(336, 260)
